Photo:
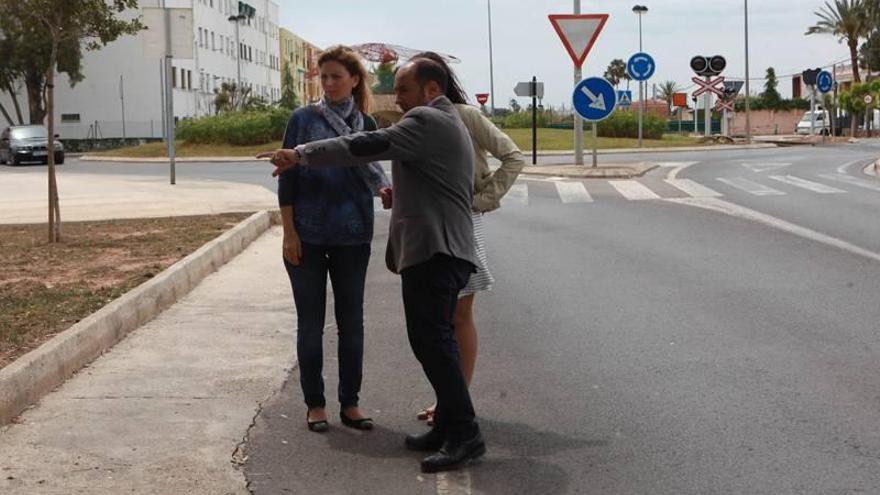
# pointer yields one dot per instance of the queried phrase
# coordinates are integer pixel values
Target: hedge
(235, 128)
(625, 124)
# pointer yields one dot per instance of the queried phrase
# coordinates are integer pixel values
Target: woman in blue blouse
(327, 215)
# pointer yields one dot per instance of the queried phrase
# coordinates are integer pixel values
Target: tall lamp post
(748, 109)
(237, 19)
(639, 10)
(491, 68)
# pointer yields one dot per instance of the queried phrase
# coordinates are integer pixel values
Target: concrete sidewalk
(23, 197)
(165, 410)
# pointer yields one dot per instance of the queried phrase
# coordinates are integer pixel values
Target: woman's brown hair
(349, 59)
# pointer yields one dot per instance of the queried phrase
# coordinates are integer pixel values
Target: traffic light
(811, 76)
(708, 66)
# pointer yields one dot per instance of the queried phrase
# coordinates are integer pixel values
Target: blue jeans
(347, 267)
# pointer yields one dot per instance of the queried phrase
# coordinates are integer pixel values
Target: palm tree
(616, 72)
(848, 20)
(667, 89)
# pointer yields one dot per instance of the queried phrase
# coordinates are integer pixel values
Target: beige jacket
(490, 187)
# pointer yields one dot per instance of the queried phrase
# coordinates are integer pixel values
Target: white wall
(97, 97)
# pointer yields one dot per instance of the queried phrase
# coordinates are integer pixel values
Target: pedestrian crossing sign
(624, 98)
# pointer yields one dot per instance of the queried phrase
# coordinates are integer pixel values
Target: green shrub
(522, 119)
(625, 124)
(235, 128)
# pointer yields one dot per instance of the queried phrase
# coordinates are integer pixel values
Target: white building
(94, 107)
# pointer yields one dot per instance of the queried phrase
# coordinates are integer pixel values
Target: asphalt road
(644, 337)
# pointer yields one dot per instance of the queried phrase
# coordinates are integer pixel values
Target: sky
(526, 45)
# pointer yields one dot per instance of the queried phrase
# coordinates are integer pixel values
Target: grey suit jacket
(433, 174)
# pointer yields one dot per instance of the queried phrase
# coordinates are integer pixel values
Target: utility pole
(578, 121)
(491, 63)
(748, 106)
(169, 96)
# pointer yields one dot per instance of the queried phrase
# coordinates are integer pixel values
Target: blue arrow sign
(594, 99)
(624, 98)
(825, 81)
(641, 67)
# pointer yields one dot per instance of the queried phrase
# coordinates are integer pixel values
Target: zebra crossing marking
(751, 187)
(573, 192)
(848, 179)
(518, 195)
(806, 184)
(633, 190)
(693, 189)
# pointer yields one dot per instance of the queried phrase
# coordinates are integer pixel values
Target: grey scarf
(345, 118)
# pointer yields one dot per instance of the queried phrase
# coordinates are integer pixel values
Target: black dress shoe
(453, 454)
(320, 426)
(430, 441)
(357, 424)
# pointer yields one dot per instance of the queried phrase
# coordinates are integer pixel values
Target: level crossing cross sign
(710, 85)
(578, 33)
(725, 105)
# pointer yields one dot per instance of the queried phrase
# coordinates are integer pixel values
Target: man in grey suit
(431, 242)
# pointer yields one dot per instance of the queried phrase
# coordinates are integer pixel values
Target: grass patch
(44, 289)
(563, 139)
(186, 150)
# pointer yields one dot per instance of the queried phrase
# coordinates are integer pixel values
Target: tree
(616, 72)
(771, 95)
(288, 92)
(667, 89)
(848, 21)
(384, 74)
(514, 105)
(69, 26)
(232, 98)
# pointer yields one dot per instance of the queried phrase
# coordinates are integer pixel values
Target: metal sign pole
(578, 121)
(169, 96)
(812, 111)
(534, 120)
(707, 110)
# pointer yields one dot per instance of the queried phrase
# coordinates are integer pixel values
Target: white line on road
(573, 192)
(848, 179)
(751, 187)
(633, 190)
(454, 482)
(806, 184)
(843, 168)
(693, 188)
(676, 167)
(518, 194)
(734, 210)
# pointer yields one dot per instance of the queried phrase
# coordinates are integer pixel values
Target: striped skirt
(482, 279)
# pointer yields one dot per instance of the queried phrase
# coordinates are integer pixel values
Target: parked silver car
(28, 143)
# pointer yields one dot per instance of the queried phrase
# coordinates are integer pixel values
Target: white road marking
(676, 167)
(806, 184)
(693, 188)
(848, 179)
(454, 482)
(518, 194)
(573, 192)
(843, 168)
(751, 187)
(763, 167)
(734, 210)
(633, 190)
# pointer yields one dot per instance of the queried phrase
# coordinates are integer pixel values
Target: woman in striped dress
(489, 188)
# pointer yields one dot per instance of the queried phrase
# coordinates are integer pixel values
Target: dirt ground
(44, 289)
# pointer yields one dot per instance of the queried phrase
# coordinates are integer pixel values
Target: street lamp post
(237, 19)
(491, 68)
(639, 10)
(748, 109)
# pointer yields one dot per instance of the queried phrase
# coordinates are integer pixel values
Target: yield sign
(578, 33)
(709, 85)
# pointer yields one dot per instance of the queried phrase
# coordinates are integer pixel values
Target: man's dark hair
(453, 91)
(429, 70)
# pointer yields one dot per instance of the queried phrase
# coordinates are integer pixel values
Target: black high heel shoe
(357, 424)
(317, 426)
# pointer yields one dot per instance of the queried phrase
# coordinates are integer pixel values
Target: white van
(822, 126)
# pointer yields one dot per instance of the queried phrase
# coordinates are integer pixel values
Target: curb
(587, 172)
(38, 372)
(194, 159)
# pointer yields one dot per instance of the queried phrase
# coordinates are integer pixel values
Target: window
(250, 54)
(173, 77)
(189, 79)
(213, 45)
(200, 36)
(69, 118)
